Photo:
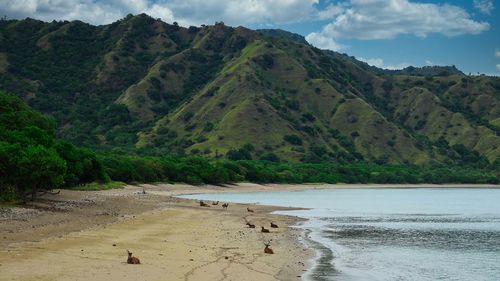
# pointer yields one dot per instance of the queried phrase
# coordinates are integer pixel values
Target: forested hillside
(33, 161)
(147, 87)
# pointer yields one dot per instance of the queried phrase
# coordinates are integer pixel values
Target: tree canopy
(32, 160)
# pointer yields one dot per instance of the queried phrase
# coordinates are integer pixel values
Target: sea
(393, 234)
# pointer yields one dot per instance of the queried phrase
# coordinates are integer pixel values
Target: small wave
(410, 219)
(449, 239)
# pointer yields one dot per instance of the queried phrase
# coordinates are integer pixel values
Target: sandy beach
(84, 236)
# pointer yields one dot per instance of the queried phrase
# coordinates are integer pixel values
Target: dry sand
(85, 235)
(80, 235)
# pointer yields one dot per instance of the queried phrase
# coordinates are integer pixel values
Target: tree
(82, 165)
(293, 139)
(9, 156)
(269, 156)
(240, 154)
(40, 169)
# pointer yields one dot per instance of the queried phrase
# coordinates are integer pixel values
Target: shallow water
(395, 234)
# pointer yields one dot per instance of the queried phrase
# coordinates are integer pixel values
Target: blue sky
(384, 33)
(470, 52)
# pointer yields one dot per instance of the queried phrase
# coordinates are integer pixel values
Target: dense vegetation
(32, 160)
(197, 170)
(143, 86)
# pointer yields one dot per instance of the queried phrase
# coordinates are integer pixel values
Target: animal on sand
(273, 225)
(268, 249)
(131, 259)
(249, 210)
(215, 203)
(250, 225)
(225, 205)
(264, 230)
(203, 204)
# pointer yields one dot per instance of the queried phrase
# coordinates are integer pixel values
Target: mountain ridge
(142, 84)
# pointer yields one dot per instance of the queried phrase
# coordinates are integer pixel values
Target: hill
(143, 85)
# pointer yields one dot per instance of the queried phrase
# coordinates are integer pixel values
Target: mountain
(426, 71)
(283, 34)
(145, 85)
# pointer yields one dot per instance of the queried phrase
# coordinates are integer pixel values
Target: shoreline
(180, 189)
(320, 251)
(89, 233)
(80, 228)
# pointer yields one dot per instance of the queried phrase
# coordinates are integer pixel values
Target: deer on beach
(268, 249)
(249, 210)
(131, 259)
(264, 230)
(225, 205)
(203, 204)
(215, 203)
(250, 225)
(273, 225)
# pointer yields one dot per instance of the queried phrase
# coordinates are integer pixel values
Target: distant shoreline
(185, 189)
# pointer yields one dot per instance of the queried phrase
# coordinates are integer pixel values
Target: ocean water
(394, 234)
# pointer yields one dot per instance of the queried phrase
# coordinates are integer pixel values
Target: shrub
(293, 139)
(187, 116)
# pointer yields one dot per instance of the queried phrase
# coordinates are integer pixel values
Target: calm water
(395, 234)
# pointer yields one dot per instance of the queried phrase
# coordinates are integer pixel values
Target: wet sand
(84, 236)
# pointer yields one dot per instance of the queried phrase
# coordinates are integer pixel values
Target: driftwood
(35, 193)
(42, 192)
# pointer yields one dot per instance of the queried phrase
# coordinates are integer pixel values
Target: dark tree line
(33, 161)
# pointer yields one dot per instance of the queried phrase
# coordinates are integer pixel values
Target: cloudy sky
(384, 33)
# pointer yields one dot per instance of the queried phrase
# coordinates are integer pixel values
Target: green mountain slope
(142, 84)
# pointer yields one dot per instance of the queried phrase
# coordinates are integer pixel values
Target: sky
(385, 33)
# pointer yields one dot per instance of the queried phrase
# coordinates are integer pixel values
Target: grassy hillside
(154, 88)
(33, 161)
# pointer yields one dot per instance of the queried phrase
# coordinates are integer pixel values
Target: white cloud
(484, 6)
(429, 62)
(331, 11)
(241, 12)
(158, 11)
(92, 11)
(497, 53)
(323, 42)
(378, 62)
(186, 12)
(373, 62)
(386, 19)
(498, 67)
